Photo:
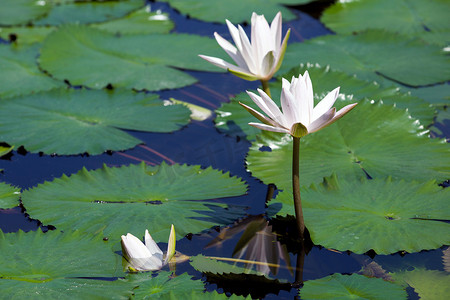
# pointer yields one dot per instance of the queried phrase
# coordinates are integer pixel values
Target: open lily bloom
(299, 116)
(258, 59)
(148, 256)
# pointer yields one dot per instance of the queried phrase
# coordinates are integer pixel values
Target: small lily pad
(373, 214)
(134, 198)
(78, 121)
(429, 284)
(96, 58)
(9, 196)
(338, 286)
(5, 150)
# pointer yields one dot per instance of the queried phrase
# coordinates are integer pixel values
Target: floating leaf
(338, 286)
(373, 139)
(5, 150)
(374, 56)
(9, 196)
(410, 17)
(15, 12)
(429, 284)
(54, 265)
(134, 198)
(206, 264)
(374, 215)
(95, 58)
(233, 119)
(234, 10)
(25, 35)
(437, 95)
(20, 74)
(77, 121)
(88, 11)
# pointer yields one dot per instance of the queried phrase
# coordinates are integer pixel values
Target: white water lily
(148, 256)
(299, 116)
(258, 59)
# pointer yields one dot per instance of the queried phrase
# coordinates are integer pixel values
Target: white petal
(133, 247)
(309, 95)
(146, 264)
(269, 128)
(259, 115)
(223, 64)
(300, 92)
(247, 51)
(275, 29)
(325, 104)
(230, 50)
(323, 121)
(151, 245)
(343, 111)
(289, 108)
(277, 115)
(261, 38)
(234, 35)
(170, 245)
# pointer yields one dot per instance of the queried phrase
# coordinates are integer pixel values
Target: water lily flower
(148, 256)
(258, 59)
(299, 116)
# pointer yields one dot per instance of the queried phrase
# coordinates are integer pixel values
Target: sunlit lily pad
(54, 265)
(9, 196)
(338, 286)
(96, 58)
(5, 150)
(373, 214)
(134, 198)
(411, 17)
(236, 11)
(233, 119)
(374, 56)
(373, 139)
(15, 12)
(88, 11)
(19, 73)
(428, 284)
(77, 121)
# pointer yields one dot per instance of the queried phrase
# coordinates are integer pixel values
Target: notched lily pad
(9, 196)
(78, 121)
(428, 284)
(133, 198)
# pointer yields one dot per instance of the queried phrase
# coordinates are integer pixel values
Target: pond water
(200, 143)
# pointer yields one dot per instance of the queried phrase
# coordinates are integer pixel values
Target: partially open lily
(299, 116)
(148, 256)
(258, 59)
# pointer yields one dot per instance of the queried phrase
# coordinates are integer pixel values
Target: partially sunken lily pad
(20, 75)
(212, 265)
(54, 265)
(338, 286)
(236, 11)
(5, 150)
(429, 284)
(410, 17)
(386, 216)
(15, 12)
(374, 55)
(77, 121)
(96, 58)
(134, 198)
(9, 196)
(372, 140)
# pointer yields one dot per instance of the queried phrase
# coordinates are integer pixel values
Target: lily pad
(212, 265)
(429, 284)
(437, 95)
(338, 286)
(5, 150)
(25, 35)
(373, 214)
(20, 75)
(410, 17)
(233, 119)
(16, 12)
(78, 121)
(134, 198)
(372, 140)
(236, 11)
(9, 196)
(55, 265)
(88, 11)
(374, 55)
(96, 58)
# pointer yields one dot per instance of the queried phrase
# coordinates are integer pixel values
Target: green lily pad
(410, 17)
(373, 214)
(78, 121)
(212, 265)
(141, 21)
(5, 150)
(429, 284)
(134, 198)
(96, 58)
(88, 11)
(234, 10)
(233, 119)
(20, 74)
(54, 265)
(374, 55)
(26, 35)
(338, 286)
(16, 12)
(437, 95)
(373, 139)
(9, 196)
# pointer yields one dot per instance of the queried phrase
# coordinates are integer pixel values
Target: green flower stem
(265, 87)
(296, 186)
